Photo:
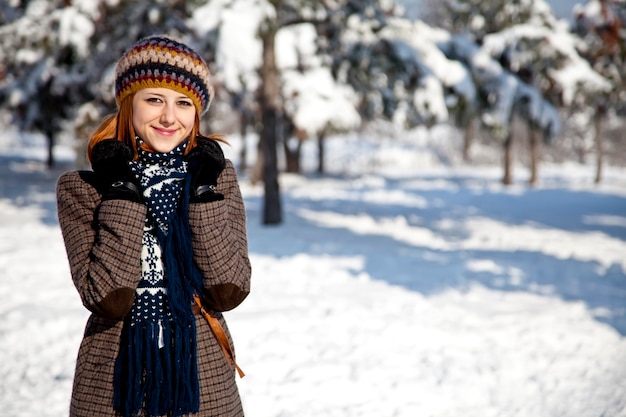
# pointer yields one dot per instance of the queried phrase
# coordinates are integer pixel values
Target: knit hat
(160, 61)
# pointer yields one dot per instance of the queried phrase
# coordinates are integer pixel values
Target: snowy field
(395, 287)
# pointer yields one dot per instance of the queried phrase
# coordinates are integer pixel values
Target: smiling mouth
(164, 132)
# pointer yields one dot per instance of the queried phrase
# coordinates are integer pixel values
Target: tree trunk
(508, 158)
(534, 156)
(292, 146)
(256, 175)
(50, 138)
(272, 212)
(292, 155)
(243, 130)
(468, 136)
(321, 139)
(599, 143)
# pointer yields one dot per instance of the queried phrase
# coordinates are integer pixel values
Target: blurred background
(534, 80)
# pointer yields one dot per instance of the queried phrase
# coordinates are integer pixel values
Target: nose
(168, 115)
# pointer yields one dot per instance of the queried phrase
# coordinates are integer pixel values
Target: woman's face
(163, 118)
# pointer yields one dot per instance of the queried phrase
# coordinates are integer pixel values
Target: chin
(165, 146)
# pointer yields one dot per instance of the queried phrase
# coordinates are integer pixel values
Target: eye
(153, 100)
(185, 103)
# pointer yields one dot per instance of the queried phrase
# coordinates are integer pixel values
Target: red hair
(120, 126)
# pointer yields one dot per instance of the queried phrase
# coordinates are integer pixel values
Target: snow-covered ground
(395, 287)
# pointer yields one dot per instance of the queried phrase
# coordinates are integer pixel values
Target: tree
(539, 51)
(601, 23)
(270, 119)
(547, 59)
(446, 92)
(316, 105)
(478, 18)
(258, 68)
(59, 55)
(39, 49)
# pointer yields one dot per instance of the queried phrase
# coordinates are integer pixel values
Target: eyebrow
(182, 96)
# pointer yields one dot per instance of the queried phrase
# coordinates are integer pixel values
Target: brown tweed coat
(103, 244)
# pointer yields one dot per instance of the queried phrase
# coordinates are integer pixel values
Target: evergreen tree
(58, 55)
(279, 101)
(547, 59)
(247, 73)
(478, 18)
(530, 44)
(39, 49)
(601, 23)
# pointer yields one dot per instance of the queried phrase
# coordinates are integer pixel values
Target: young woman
(158, 223)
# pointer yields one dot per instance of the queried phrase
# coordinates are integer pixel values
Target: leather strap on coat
(220, 335)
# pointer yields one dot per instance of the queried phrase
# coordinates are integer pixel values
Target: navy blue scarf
(156, 369)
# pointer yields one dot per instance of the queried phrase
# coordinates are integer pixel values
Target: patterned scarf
(156, 369)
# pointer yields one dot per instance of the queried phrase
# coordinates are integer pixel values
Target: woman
(159, 221)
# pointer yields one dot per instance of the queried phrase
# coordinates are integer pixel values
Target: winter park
(449, 233)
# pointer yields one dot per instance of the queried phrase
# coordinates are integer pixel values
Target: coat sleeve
(220, 244)
(103, 244)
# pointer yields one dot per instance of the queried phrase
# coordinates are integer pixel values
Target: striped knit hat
(160, 61)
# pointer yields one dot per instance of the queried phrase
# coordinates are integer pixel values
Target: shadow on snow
(418, 268)
(429, 271)
(29, 183)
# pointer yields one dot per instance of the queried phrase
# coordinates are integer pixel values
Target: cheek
(135, 122)
(137, 119)
(189, 120)
(142, 117)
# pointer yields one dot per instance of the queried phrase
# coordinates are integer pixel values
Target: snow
(452, 74)
(316, 102)
(393, 288)
(575, 76)
(75, 29)
(239, 50)
(295, 45)
(591, 10)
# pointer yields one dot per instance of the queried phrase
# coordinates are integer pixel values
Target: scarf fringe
(159, 381)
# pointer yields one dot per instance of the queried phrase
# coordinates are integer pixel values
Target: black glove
(109, 160)
(206, 163)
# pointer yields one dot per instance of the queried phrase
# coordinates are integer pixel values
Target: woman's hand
(110, 162)
(206, 163)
